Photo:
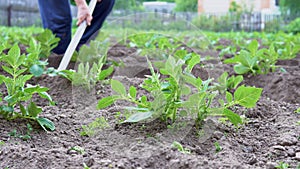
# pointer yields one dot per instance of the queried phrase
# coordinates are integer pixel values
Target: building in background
(157, 6)
(222, 6)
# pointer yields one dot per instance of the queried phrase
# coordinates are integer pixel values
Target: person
(56, 16)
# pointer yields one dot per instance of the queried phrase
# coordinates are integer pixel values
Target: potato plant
(254, 60)
(168, 94)
(18, 101)
(226, 83)
(90, 69)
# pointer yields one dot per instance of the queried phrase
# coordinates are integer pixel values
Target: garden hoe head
(74, 42)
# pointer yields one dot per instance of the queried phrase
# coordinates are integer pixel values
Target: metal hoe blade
(74, 42)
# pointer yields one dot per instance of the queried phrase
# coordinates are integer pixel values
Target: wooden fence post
(9, 9)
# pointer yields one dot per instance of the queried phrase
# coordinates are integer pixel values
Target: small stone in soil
(270, 165)
(89, 162)
(297, 156)
(247, 149)
(252, 160)
(279, 147)
(287, 140)
(218, 134)
(291, 152)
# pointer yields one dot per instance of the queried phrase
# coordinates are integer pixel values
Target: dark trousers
(56, 16)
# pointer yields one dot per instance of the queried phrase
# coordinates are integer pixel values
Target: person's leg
(100, 13)
(56, 16)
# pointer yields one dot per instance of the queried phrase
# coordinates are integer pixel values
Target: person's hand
(83, 14)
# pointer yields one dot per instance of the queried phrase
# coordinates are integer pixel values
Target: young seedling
(218, 148)
(78, 149)
(92, 128)
(85, 166)
(180, 148)
(21, 136)
(90, 69)
(226, 83)
(254, 60)
(282, 165)
(2, 143)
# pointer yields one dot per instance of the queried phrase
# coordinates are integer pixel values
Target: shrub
(294, 26)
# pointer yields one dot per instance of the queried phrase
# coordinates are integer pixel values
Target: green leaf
(45, 95)
(232, 60)
(13, 56)
(247, 96)
(185, 90)
(20, 71)
(195, 60)
(8, 70)
(237, 81)
(105, 73)
(33, 109)
(118, 87)
(23, 110)
(247, 60)
(7, 108)
(132, 92)
(138, 117)
(241, 69)
(253, 47)
(229, 97)
(46, 124)
(164, 71)
(235, 119)
(36, 70)
(106, 101)
(35, 89)
(139, 109)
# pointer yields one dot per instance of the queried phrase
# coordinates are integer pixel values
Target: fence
(20, 13)
(26, 13)
(255, 21)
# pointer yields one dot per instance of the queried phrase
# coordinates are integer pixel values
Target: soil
(269, 136)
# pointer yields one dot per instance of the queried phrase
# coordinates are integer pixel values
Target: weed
(282, 165)
(180, 148)
(24, 137)
(218, 148)
(92, 128)
(143, 127)
(2, 143)
(78, 149)
(85, 166)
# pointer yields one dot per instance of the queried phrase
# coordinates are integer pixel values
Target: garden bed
(270, 135)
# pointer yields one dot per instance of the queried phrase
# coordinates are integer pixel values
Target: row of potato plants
(172, 84)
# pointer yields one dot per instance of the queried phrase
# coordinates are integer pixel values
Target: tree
(291, 6)
(186, 5)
